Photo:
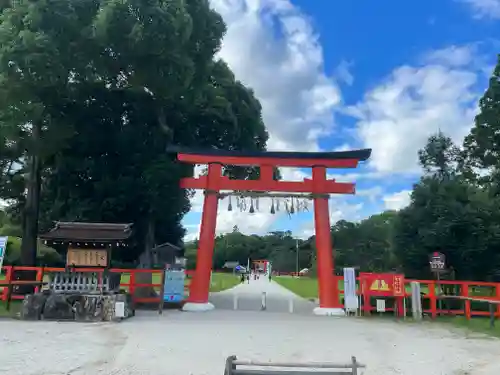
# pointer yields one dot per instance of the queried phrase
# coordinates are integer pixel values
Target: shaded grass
(15, 307)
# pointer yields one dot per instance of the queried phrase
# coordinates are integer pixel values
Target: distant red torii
(319, 186)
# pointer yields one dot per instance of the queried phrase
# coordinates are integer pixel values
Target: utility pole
(297, 257)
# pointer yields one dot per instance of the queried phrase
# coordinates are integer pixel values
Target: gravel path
(180, 343)
(249, 295)
(197, 343)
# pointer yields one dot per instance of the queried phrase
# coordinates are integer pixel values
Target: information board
(3, 248)
(382, 284)
(87, 257)
(174, 285)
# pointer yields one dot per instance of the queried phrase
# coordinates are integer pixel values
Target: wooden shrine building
(88, 244)
(168, 254)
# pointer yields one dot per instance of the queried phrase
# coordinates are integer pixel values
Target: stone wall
(76, 307)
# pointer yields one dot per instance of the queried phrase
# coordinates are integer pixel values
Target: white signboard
(119, 309)
(381, 305)
(350, 298)
(3, 248)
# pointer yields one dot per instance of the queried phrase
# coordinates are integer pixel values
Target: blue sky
(336, 75)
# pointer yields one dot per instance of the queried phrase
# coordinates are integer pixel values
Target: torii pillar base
(329, 311)
(197, 307)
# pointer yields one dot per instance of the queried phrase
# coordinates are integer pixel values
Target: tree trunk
(32, 204)
(31, 211)
(145, 262)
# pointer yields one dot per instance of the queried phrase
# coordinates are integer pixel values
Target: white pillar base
(329, 311)
(197, 307)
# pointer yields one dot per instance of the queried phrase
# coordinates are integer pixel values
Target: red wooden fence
(131, 285)
(429, 286)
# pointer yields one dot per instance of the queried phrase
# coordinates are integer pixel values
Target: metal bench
(235, 366)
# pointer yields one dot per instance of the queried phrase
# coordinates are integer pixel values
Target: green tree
(42, 56)
(440, 157)
(482, 145)
(449, 215)
(137, 76)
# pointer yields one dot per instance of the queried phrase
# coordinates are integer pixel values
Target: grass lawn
(220, 281)
(223, 281)
(305, 287)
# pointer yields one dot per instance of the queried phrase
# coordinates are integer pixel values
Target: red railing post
(433, 299)
(366, 298)
(497, 287)
(39, 278)
(465, 293)
(8, 279)
(131, 287)
(400, 306)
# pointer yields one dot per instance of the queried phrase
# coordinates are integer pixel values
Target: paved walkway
(249, 295)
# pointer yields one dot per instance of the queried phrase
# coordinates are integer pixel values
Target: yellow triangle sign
(380, 285)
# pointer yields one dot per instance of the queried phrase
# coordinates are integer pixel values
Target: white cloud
(343, 147)
(396, 118)
(339, 210)
(287, 75)
(343, 72)
(258, 222)
(372, 194)
(397, 201)
(484, 8)
(456, 56)
(271, 47)
(285, 71)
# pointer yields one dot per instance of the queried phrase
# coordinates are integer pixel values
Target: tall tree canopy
(92, 92)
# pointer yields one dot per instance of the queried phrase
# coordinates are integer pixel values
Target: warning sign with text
(382, 284)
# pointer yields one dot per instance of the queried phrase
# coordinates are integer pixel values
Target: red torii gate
(319, 186)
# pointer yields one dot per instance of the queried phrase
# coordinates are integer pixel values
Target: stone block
(109, 306)
(33, 306)
(57, 307)
(75, 306)
(94, 308)
(89, 308)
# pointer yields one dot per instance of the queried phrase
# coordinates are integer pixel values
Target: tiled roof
(78, 231)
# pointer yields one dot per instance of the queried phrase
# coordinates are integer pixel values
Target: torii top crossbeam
(267, 161)
(338, 159)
